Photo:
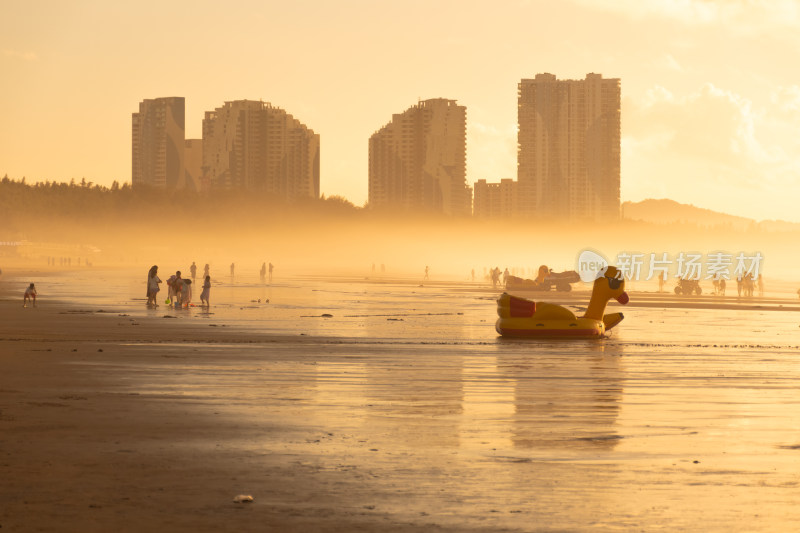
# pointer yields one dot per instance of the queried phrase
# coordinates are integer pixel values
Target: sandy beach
(115, 417)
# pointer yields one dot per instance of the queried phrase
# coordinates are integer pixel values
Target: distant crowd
(179, 289)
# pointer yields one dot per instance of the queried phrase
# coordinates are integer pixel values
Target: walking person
(271, 266)
(193, 271)
(263, 272)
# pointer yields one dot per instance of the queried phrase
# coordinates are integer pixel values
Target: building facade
(253, 145)
(496, 200)
(569, 147)
(193, 164)
(158, 136)
(418, 160)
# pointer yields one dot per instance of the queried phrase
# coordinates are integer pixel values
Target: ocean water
(686, 417)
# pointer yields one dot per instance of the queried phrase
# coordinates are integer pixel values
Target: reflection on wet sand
(565, 407)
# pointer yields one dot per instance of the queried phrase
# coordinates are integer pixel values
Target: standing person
(505, 276)
(172, 284)
(722, 287)
(271, 266)
(185, 295)
(193, 270)
(152, 286)
(30, 294)
(178, 286)
(206, 291)
(473, 274)
(205, 271)
(426, 272)
(263, 272)
(232, 266)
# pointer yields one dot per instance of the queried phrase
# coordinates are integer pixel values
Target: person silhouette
(193, 270)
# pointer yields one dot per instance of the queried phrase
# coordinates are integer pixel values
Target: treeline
(88, 201)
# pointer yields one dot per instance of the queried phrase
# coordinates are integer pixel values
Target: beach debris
(170, 316)
(396, 319)
(243, 498)
(326, 315)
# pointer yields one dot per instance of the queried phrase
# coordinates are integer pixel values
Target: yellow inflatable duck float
(525, 318)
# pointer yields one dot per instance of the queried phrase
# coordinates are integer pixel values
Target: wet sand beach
(402, 411)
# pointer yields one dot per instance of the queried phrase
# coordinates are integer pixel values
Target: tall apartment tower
(569, 147)
(158, 136)
(418, 160)
(495, 200)
(255, 146)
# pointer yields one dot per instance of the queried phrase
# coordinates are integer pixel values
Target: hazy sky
(711, 95)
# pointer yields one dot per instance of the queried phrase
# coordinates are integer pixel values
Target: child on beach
(206, 290)
(30, 294)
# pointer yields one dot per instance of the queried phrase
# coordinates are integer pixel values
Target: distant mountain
(666, 211)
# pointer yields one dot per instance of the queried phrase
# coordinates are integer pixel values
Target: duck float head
(525, 318)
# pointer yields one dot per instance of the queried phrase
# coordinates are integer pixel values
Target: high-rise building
(158, 136)
(255, 146)
(193, 163)
(569, 147)
(495, 200)
(418, 160)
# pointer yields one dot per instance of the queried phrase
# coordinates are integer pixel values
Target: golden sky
(711, 95)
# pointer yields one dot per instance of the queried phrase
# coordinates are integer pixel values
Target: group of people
(494, 275)
(179, 290)
(262, 272)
